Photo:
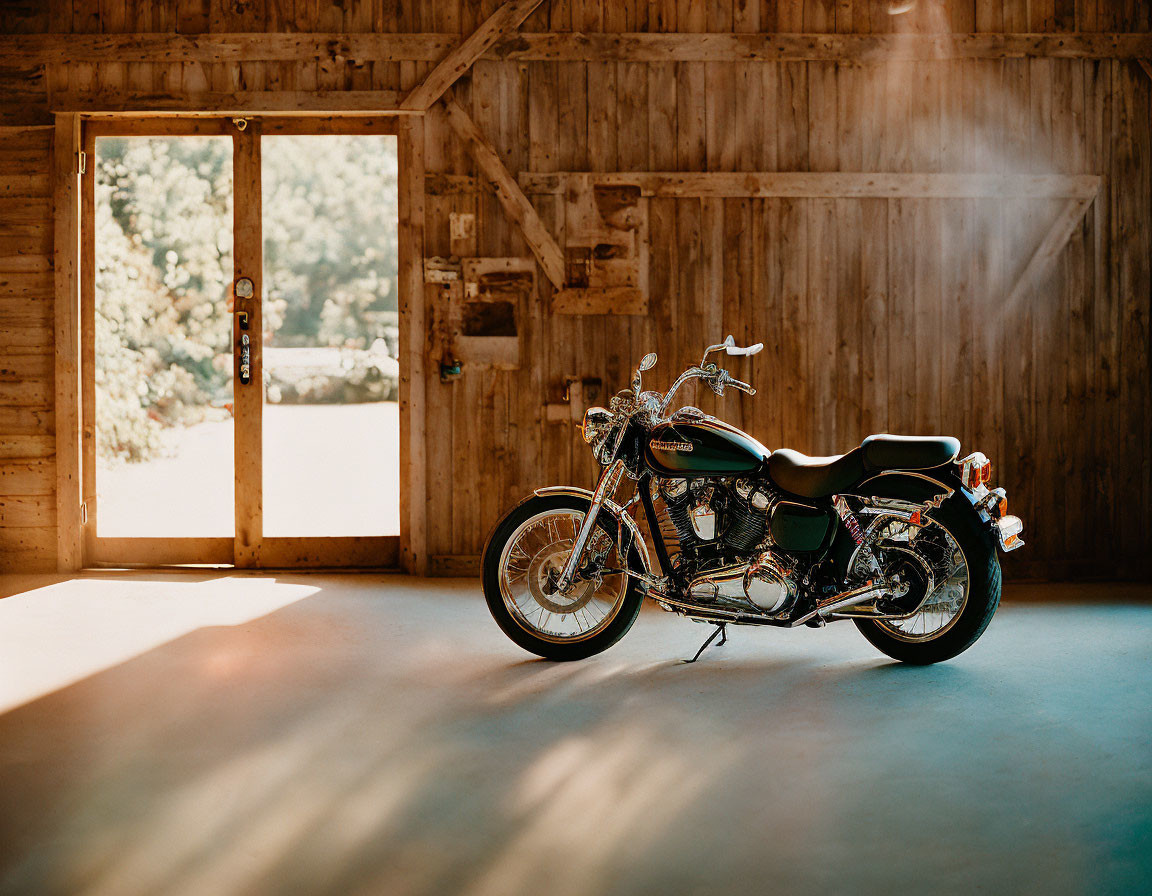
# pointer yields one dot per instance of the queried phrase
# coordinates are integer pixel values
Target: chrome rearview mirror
(646, 363)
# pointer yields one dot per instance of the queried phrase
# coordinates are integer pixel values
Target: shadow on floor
(381, 736)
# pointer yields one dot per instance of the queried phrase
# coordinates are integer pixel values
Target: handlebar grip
(742, 386)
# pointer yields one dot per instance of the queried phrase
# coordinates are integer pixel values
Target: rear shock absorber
(853, 527)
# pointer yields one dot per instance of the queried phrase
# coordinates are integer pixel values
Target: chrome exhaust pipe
(831, 605)
(849, 599)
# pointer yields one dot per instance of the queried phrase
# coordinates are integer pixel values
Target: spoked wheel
(522, 563)
(965, 588)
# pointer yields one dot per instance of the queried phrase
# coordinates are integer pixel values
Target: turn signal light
(975, 470)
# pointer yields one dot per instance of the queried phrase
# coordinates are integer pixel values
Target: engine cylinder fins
(746, 529)
(681, 516)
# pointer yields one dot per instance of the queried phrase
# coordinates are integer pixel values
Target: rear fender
(611, 507)
(913, 485)
(936, 485)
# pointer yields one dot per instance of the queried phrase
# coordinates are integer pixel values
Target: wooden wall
(879, 314)
(27, 440)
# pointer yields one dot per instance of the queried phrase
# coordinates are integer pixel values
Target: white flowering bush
(164, 270)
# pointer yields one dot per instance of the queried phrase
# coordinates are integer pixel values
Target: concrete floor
(220, 733)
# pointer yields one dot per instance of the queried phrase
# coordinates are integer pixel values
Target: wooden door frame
(248, 548)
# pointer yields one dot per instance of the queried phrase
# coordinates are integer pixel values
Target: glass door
(240, 326)
(331, 334)
(162, 210)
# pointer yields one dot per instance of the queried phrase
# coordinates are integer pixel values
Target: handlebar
(722, 379)
(716, 377)
(739, 385)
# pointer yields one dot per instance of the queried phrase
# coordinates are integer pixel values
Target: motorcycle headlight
(597, 422)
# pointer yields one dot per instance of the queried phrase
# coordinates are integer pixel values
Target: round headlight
(597, 421)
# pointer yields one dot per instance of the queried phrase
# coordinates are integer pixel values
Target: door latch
(245, 348)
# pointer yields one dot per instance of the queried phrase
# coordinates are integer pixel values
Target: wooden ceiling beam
(60, 49)
(508, 192)
(239, 103)
(63, 49)
(717, 47)
(827, 185)
(506, 19)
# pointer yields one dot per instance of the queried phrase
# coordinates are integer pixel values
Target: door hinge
(81, 162)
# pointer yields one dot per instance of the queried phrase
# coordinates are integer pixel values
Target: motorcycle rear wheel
(535, 538)
(981, 599)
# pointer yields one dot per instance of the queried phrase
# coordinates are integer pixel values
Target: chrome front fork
(609, 479)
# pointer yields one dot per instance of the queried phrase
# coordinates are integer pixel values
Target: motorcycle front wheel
(523, 558)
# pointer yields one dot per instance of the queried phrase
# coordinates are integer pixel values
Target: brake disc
(544, 568)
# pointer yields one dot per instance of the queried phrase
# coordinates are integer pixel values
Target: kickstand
(722, 630)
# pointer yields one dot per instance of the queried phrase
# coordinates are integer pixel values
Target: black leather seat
(818, 477)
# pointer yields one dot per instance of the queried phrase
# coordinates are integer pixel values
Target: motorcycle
(897, 535)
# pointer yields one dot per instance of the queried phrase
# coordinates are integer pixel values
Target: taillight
(995, 504)
(975, 470)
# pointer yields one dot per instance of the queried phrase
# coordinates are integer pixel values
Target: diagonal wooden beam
(507, 18)
(1147, 66)
(1054, 241)
(511, 197)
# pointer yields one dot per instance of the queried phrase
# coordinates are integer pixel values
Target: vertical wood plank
(88, 341)
(66, 230)
(901, 315)
(822, 333)
(248, 400)
(874, 328)
(413, 473)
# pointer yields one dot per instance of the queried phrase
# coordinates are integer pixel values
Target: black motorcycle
(897, 534)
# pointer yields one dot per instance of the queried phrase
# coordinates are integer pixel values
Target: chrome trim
(1008, 529)
(706, 613)
(846, 599)
(661, 445)
(613, 508)
(688, 414)
(949, 489)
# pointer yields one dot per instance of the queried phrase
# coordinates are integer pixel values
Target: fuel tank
(706, 447)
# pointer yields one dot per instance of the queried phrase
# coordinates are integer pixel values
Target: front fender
(611, 507)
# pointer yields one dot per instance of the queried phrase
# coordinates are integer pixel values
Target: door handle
(245, 348)
(244, 289)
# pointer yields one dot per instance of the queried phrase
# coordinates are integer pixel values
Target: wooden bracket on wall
(507, 18)
(508, 192)
(1054, 241)
(1147, 66)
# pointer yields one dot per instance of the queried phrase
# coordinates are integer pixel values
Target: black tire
(626, 612)
(976, 542)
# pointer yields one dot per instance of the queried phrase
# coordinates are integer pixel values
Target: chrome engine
(763, 583)
(721, 528)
